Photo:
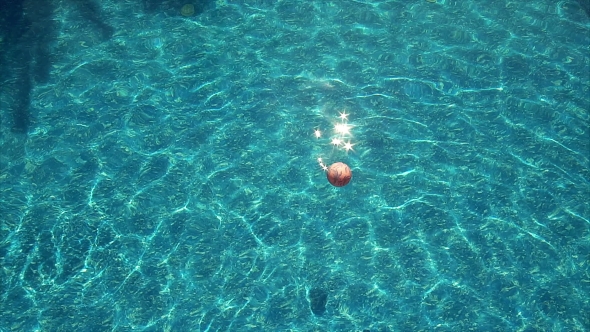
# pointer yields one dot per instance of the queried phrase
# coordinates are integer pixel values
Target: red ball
(339, 174)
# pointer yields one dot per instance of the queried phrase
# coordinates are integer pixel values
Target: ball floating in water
(187, 10)
(339, 174)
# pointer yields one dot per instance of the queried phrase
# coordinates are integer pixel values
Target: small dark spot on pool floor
(317, 300)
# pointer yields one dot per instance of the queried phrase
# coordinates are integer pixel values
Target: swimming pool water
(161, 172)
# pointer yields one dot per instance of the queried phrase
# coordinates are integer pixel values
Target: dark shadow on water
(14, 64)
(27, 31)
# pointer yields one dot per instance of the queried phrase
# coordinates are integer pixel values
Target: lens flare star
(317, 133)
(342, 129)
(336, 141)
(347, 146)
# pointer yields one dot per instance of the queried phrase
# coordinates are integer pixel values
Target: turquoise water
(162, 172)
